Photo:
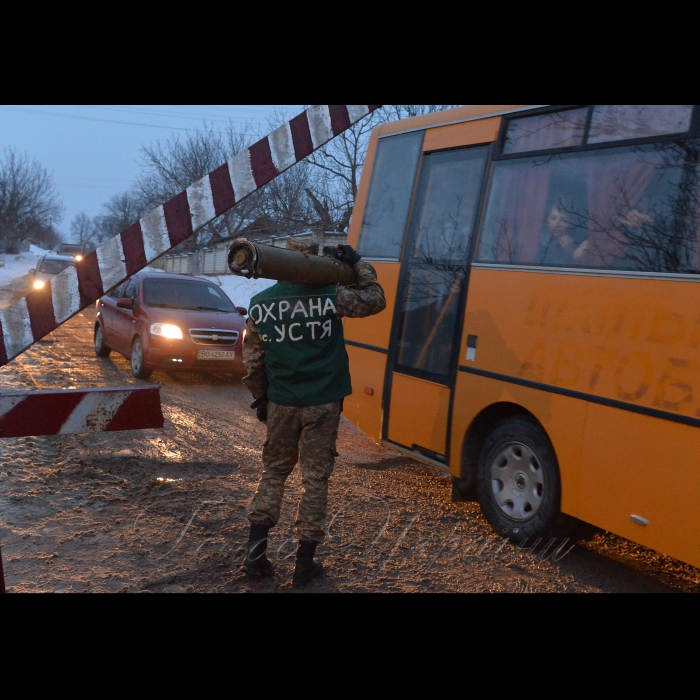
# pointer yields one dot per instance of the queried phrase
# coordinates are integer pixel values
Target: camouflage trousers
(307, 435)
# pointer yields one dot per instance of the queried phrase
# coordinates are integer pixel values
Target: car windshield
(185, 294)
(53, 267)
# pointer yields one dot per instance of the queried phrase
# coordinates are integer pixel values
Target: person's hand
(260, 406)
(581, 250)
(635, 219)
(347, 254)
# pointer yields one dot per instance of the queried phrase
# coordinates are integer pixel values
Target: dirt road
(164, 510)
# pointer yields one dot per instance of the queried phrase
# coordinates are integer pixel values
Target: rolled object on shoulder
(255, 260)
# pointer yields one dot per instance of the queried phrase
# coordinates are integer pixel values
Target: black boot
(306, 569)
(256, 562)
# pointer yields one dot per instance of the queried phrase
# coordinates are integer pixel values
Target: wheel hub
(517, 481)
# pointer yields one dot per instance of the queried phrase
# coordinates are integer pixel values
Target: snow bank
(14, 266)
(35, 250)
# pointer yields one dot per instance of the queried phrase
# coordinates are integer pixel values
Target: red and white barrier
(79, 411)
(74, 289)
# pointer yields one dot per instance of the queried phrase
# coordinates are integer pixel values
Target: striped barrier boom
(67, 411)
(79, 286)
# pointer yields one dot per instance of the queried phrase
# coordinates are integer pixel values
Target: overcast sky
(92, 151)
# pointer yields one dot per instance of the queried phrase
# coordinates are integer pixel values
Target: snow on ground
(239, 289)
(14, 274)
(36, 250)
(17, 265)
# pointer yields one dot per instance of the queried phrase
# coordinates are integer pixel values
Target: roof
(447, 116)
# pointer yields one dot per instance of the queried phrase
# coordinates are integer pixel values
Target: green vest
(305, 356)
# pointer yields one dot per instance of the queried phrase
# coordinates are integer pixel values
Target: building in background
(213, 260)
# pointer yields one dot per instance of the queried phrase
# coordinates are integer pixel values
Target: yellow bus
(541, 338)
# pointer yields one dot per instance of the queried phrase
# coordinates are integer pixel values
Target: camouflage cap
(310, 248)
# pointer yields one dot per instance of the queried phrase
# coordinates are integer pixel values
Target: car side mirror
(242, 310)
(125, 303)
(32, 271)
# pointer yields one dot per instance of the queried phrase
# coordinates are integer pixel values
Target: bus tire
(518, 484)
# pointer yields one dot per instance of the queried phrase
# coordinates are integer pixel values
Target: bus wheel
(518, 483)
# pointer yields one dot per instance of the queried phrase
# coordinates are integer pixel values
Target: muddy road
(164, 510)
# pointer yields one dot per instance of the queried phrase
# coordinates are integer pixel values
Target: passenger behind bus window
(563, 243)
(634, 208)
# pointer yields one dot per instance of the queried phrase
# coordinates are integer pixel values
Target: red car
(162, 321)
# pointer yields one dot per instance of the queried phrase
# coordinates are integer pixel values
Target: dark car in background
(75, 250)
(49, 266)
(175, 322)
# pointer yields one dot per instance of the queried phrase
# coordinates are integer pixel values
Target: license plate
(216, 354)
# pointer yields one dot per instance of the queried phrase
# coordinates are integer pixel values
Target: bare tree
(29, 204)
(120, 212)
(405, 111)
(317, 193)
(286, 202)
(173, 166)
(84, 230)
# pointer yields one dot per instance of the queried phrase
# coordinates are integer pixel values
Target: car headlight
(38, 284)
(167, 330)
(78, 258)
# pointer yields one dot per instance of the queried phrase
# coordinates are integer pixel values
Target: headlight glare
(39, 284)
(166, 330)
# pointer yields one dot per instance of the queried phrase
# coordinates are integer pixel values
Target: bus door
(425, 344)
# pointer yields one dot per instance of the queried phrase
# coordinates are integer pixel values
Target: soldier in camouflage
(298, 373)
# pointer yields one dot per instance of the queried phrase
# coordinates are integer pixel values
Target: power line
(92, 119)
(91, 179)
(90, 187)
(161, 113)
(135, 110)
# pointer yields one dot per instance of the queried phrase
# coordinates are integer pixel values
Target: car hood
(197, 319)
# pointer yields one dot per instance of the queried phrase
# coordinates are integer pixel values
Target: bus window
(617, 122)
(544, 131)
(630, 208)
(386, 212)
(439, 235)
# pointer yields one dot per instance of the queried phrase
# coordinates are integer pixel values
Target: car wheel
(518, 484)
(138, 363)
(101, 350)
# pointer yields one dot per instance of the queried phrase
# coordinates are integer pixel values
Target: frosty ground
(164, 510)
